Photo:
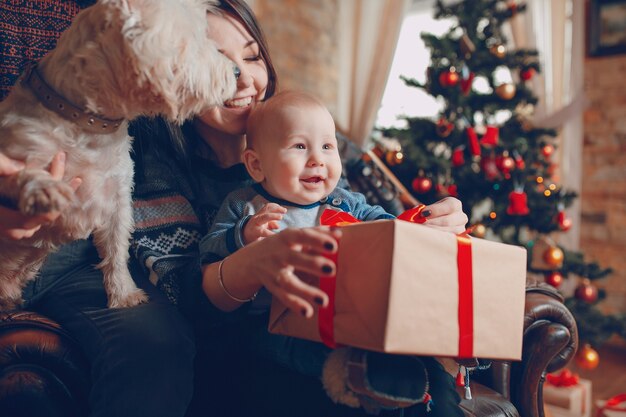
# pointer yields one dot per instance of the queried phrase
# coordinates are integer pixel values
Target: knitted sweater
(28, 30)
(175, 202)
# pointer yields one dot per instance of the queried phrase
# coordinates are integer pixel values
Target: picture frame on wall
(607, 27)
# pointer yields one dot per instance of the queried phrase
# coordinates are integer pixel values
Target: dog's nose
(237, 72)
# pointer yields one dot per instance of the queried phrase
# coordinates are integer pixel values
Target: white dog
(119, 59)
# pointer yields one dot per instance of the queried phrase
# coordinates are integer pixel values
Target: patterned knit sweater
(28, 30)
(175, 202)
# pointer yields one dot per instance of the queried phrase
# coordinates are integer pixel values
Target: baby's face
(301, 161)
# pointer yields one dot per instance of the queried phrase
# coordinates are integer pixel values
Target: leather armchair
(44, 373)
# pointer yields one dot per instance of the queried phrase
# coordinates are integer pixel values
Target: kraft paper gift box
(399, 289)
(574, 400)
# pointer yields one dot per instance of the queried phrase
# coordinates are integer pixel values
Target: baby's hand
(263, 223)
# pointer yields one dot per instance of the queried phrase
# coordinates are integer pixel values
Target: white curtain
(368, 35)
(556, 29)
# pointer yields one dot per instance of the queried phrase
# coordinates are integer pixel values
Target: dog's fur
(119, 59)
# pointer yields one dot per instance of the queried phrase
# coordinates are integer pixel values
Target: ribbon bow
(565, 378)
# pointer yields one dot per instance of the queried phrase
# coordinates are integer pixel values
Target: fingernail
(327, 269)
(303, 312)
(319, 300)
(425, 213)
(329, 246)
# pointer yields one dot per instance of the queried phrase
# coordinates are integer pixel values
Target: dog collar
(53, 101)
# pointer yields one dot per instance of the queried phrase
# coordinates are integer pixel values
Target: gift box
(613, 407)
(567, 394)
(409, 289)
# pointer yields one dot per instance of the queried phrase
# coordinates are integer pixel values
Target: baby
(293, 157)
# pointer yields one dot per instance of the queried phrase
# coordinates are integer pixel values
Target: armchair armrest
(550, 342)
(42, 370)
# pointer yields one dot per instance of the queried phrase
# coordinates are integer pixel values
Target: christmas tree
(483, 149)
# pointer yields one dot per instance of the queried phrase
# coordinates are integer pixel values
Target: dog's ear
(253, 164)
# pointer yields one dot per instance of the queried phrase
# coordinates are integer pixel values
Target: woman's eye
(253, 58)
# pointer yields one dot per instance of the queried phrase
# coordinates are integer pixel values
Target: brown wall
(603, 229)
(302, 35)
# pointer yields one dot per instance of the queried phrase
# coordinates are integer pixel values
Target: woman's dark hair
(168, 137)
(240, 10)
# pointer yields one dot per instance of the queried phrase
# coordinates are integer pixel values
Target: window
(411, 60)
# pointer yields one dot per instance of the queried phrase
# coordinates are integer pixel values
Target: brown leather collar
(53, 101)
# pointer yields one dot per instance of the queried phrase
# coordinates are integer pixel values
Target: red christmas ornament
(518, 204)
(458, 158)
(554, 278)
(449, 78)
(490, 138)
(586, 292)
(444, 127)
(422, 185)
(527, 74)
(564, 222)
(453, 190)
(466, 83)
(474, 146)
(505, 163)
(547, 150)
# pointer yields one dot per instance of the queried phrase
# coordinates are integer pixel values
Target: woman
(176, 199)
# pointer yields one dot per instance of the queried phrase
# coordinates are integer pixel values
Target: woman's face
(234, 41)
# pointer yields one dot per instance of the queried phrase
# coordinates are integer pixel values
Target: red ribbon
(565, 378)
(466, 297)
(326, 315)
(615, 403)
(413, 215)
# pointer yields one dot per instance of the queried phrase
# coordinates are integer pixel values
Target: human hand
(283, 261)
(263, 223)
(16, 225)
(447, 215)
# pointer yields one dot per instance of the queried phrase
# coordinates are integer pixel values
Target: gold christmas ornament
(587, 358)
(479, 230)
(506, 91)
(394, 158)
(498, 50)
(553, 256)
